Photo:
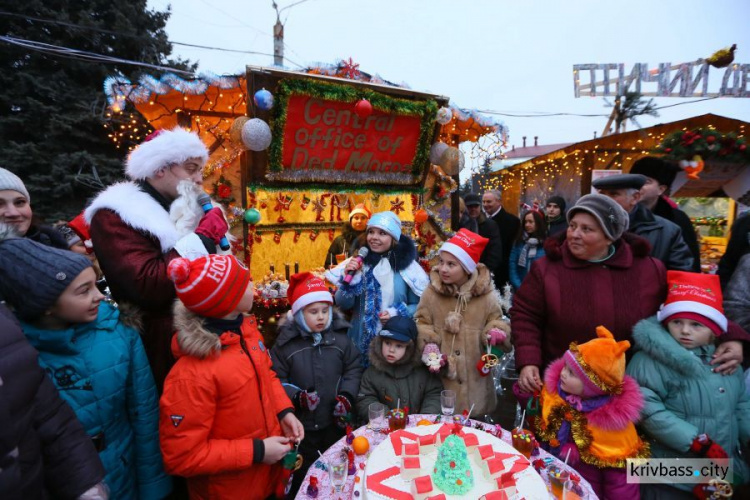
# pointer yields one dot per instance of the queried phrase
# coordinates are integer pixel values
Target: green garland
(426, 110)
(707, 143)
(341, 188)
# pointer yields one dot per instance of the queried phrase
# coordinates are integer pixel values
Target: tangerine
(424, 421)
(360, 445)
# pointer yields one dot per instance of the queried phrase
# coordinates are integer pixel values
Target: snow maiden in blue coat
(97, 363)
(387, 283)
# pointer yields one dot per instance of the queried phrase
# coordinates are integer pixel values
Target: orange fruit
(424, 421)
(360, 445)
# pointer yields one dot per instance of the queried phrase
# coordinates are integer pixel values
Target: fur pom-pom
(179, 270)
(453, 322)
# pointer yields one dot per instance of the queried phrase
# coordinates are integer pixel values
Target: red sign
(328, 135)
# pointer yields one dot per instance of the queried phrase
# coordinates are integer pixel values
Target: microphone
(360, 257)
(205, 202)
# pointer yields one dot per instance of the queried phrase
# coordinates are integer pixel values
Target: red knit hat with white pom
(209, 286)
(467, 247)
(695, 297)
(306, 289)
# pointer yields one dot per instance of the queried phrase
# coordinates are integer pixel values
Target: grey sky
(514, 57)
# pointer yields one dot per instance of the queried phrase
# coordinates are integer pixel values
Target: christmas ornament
(312, 488)
(349, 69)
(290, 463)
(693, 167)
(452, 161)
(277, 236)
(363, 108)
(252, 216)
(360, 445)
(305, 202)
(352, 465)
(436, 151)
(397, 206)
(235, 131)
(263, 100)
(421, 216)
(256, 135)
(444, 115)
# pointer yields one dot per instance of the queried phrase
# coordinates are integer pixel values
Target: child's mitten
(496, 336)
(342, 411)
(306, 400)
(705, 447)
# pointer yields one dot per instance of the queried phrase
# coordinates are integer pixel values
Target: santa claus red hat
(163, 148)
(209, 286)
(306, 289)
(696, 297)
(360, 208)
(467, 247)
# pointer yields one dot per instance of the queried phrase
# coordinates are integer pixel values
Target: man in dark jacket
(492, 257)
(555, 213)
(44, 450)
(509, 225)
(654, 195)
(665, 237)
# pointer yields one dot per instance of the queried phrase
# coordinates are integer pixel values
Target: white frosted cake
(450, 466)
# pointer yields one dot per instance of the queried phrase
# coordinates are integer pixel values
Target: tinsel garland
(708, 143)
(327, 188)
(547, 431)
(426, 110)
(118, 89)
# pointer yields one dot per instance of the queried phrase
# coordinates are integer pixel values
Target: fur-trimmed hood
(193, 339)
(621, 410)
(289, 329)
(400, 368)
(628, 245)
(651, 337)
(480, 283)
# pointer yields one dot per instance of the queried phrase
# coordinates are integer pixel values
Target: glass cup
(523, 441)
(558, 476)
(572, 490)
(377, 416)
(447, 402)
(338, 470)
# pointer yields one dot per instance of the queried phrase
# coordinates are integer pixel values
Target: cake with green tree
(452, 472)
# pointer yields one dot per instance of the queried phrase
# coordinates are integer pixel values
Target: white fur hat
(162, 148)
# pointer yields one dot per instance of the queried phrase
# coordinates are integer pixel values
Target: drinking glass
(572, 490)
(558, 476)
(338, 470)
(447, 402)
(377, 416)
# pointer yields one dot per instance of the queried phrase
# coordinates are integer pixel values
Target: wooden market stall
(291, 154)
(708, 199)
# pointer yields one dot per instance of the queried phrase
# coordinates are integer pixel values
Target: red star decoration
(349, 69)
(397, 206)
(429, 239)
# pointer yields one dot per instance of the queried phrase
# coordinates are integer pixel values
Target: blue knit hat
(388, 222)
(32, 275)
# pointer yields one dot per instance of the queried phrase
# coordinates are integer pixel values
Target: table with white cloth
(326, 490)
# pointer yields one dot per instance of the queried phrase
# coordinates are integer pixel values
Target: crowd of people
(130, 367)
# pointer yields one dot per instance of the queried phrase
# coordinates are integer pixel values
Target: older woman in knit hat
(593, 274)
(15, 209)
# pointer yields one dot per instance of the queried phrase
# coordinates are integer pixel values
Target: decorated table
(354, 482)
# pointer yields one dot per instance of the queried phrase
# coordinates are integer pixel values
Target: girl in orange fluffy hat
(589, 407)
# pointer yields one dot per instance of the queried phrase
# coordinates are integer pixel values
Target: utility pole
(278, 39)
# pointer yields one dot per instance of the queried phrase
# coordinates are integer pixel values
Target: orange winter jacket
(217, 399)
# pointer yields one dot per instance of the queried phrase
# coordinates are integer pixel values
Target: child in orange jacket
(225, 420)
(589, 407)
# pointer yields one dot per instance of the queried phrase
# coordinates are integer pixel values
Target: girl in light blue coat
(387, 282)
(528, 247)
(690, 411)
(97, 363)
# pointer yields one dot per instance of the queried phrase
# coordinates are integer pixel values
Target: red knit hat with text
(467, 247)
(306, 289)
(209, 286)
(695, 297)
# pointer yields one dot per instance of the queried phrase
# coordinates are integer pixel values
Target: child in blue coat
(96, 362)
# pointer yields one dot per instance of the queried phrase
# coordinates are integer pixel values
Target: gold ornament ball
(450, 161)
(272, 320)
(235, 131)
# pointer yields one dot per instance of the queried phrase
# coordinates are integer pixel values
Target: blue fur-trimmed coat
(362, 298)
(101, 371)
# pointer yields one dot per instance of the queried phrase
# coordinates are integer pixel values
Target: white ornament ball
(444, 115)
(436, 152)
(256, 135)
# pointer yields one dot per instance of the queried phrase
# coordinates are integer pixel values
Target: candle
(272, 269)
(286, 271)
(296, 267)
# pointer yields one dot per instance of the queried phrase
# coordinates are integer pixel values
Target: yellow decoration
(360, 445)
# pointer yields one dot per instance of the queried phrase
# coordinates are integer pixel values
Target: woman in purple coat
(593, 274)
